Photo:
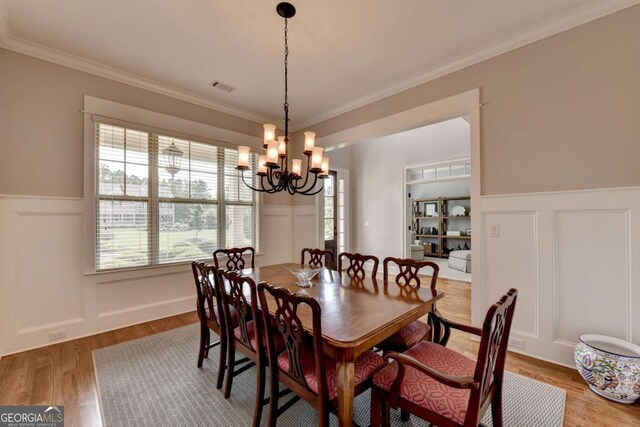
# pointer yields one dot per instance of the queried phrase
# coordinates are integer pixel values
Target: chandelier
(273, 167)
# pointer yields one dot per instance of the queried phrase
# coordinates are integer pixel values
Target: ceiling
(343, 54)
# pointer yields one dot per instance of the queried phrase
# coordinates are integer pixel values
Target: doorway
(330, 229)
(334, 214)
(467, 105)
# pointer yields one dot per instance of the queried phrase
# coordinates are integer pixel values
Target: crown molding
(36, 50)
(81, 64)
(549, 28)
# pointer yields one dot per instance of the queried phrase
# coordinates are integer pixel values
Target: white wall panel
(48, 280)
(511, 261)
(276, 242)
(119, 296)
(305, 226)
(573, 257)
(592, 281)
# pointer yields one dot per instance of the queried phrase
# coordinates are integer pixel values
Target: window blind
(150, 213)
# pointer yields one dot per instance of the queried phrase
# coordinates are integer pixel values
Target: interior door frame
(319, 202)
(463, 104)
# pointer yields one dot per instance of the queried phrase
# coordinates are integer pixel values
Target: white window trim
(159, 122)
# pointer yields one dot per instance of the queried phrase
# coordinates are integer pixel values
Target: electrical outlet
(57, 335)
(366, 223)
(516, 343)
(494, 231)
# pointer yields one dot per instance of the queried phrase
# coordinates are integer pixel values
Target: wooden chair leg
(496, 410)
(231, 361)
(203, 344)
(376, 409)
(404, 415)
(222, 360)
(324, 417)
(386, 413)
(257, 410)
(273, 395)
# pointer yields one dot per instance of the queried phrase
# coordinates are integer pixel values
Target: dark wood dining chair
(318, 258)
(302, 366)
(233, 259)
(408, 277)
(209, 308)
(356, 264)
(239, 294)
(443, 386)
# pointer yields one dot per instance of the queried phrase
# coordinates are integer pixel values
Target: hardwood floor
(63, 373)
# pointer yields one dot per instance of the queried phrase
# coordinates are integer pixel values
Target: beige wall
(559, 114)
(41, 127)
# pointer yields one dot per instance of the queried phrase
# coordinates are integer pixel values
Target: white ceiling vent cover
(222, 86)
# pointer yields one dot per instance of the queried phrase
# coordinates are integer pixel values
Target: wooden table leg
(346, 383)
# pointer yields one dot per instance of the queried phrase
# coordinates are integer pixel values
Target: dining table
(356, 314)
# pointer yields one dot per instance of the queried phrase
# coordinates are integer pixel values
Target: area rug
(154, 381)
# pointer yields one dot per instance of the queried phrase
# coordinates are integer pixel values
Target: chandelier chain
(286, 80)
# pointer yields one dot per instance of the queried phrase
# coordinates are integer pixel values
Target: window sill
(151, 270)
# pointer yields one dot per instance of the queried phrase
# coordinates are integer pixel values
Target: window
(148, 213)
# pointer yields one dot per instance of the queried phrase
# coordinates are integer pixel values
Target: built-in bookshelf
(432, 219)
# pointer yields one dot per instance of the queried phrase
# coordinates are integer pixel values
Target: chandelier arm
(309, 193)
(306, 178)
(270, 178)
(305, 190)
(267, 190)
(247, 184)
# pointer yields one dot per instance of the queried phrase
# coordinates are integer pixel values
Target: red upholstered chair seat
(252, 337)
(365, 366)
(408, 336)
(423, 390)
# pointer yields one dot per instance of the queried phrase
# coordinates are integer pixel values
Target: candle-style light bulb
(243, 157)
(282, 146)
(262, 164)
(325, 168)
(272, 154)
(296, 167)
(309, 142)
(316, 159)
(269, 134)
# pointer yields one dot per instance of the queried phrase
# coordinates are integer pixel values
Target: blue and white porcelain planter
(610, 366)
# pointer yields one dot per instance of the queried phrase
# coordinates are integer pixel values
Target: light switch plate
(494, 231)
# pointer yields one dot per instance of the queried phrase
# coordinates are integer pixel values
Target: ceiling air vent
(222, 86)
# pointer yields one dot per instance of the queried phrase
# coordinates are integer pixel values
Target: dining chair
(209, 308)
(318, 258)
(408, 278)
(239, 293)
(356, 264)
(234, 258)
(443, 386)
(302, 366)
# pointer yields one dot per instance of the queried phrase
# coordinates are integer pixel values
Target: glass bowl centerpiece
(304, 275)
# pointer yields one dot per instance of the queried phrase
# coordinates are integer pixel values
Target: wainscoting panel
(305, 229)
(47, 297)
(517, 243)
(592, 274)
(571, 256)
(276, 235)
(43, 244)
(120, 296)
